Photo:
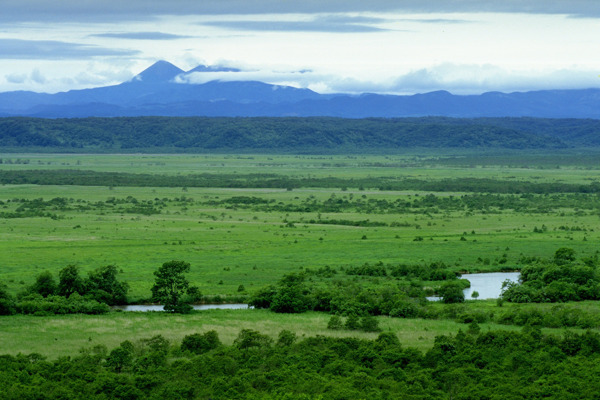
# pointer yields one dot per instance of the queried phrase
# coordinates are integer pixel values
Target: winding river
(158, 307)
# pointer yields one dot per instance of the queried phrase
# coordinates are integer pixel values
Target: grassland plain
(430, 164)
(251, 237)
(230, 243)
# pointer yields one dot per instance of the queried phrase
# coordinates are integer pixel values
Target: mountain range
(160, 91)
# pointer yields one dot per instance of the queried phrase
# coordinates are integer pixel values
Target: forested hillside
(321, 134)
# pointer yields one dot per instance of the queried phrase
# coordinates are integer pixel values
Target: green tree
(352, 322)
(44, 284)
(248, 338)
(121, 357)
(198, 344)
(564, 255)
(335, 323)
(286, 338)
(103, 286)
(264, 297)
(154, 351)
(70, 282)
(291, 296)
(451, 292)
(7, 303)
(368, 323)
(170, 285)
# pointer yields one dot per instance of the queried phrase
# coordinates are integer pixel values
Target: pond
(488, 285)
(155, 307)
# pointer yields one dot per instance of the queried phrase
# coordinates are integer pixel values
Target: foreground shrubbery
(473, 365)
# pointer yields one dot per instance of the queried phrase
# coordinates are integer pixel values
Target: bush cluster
(560, 280)
(72, 294)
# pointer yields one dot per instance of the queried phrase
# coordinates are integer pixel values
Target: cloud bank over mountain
(381, 46)
(164, 89)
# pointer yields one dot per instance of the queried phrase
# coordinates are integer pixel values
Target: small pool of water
(154, 307)
(488, 285)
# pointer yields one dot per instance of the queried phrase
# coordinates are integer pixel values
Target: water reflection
(488, 285)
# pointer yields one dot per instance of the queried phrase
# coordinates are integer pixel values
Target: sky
(329, 46)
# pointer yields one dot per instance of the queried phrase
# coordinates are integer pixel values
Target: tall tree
(7, 303)
(103, 285)
(44, 284)
(170, 285)
(70, 281)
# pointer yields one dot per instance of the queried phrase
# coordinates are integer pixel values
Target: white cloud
(293, 78)
(468, 79)
(400, 52)
(455, 78)
(16, 78)
(37, 77)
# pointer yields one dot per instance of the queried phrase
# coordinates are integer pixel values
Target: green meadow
(230, 244)
(240, 239)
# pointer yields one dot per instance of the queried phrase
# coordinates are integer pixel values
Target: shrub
(451, 292)
(7, 303)
(352, 322)
(369, 323)
(335, 323)
(198, 344)
(286, 338)
(249, 338)
(44, 285)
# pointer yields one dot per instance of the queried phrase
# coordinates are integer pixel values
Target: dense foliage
(562, 280)
(399, 293)
(472, 365)
(71, 295)
(318, 134)
(352, 293)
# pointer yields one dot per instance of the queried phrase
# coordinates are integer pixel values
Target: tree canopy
(170, 286)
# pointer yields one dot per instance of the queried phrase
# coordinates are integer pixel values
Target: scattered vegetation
(302, 241)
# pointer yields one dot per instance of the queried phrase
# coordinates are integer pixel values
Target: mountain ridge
(157, 91)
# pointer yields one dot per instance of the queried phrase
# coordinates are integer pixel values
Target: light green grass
(65, 335)
(426, 164)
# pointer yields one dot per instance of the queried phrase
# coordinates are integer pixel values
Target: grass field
(431, 164)
(228, 245)
(251, 237)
